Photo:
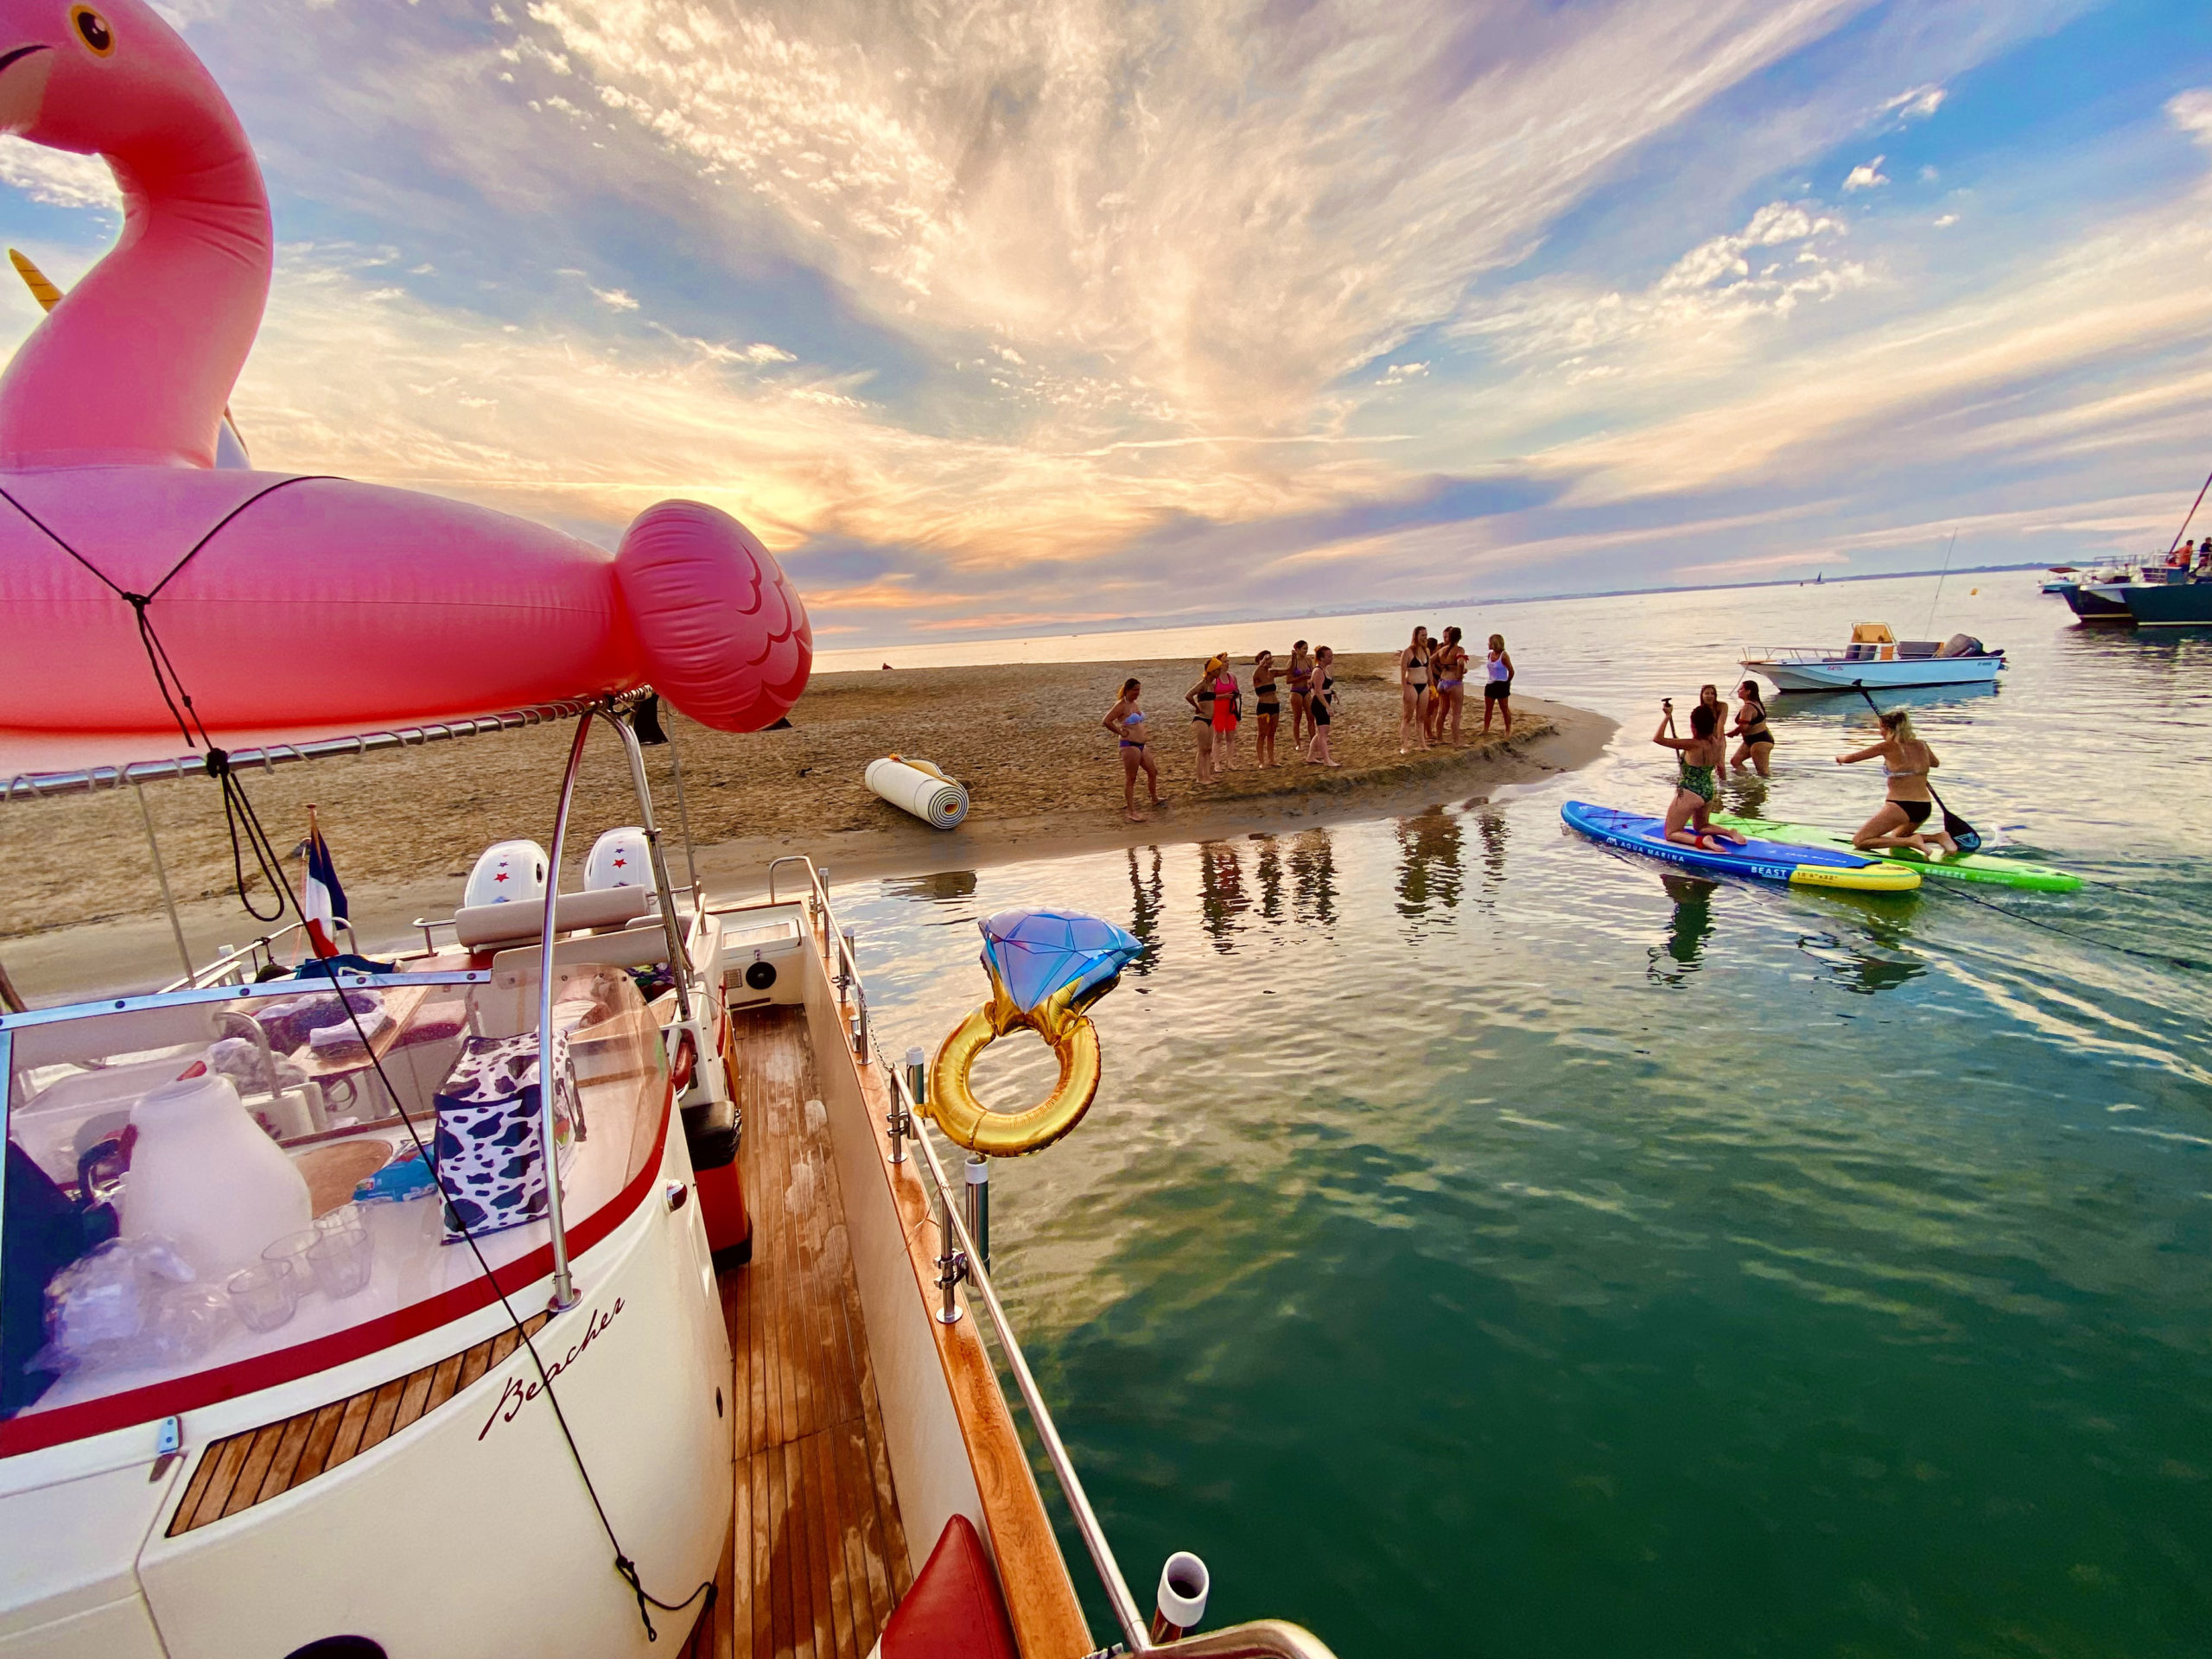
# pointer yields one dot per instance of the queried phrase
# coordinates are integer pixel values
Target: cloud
(1783, 257)
(1867, 175)
(1398, 373)
(614, 299)
(56, 178)
(2192, 112)
(1916, 104)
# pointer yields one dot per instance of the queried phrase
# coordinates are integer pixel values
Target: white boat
(1876, 658)
(796, 1408)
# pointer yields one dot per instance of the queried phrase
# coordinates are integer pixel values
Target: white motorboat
(501, 1440)
(1875, 660)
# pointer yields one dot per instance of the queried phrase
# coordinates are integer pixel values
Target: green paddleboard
(1992, 867)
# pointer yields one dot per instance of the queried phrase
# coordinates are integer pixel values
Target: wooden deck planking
(818, 1555)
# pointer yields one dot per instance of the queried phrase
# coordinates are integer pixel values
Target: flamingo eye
(91, 28)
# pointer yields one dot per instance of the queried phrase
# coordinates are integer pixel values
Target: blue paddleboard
(1764, 861)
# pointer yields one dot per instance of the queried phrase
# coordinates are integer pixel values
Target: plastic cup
(340, 1260)
(265, 1294)
(290, 1253)
(345, 1218)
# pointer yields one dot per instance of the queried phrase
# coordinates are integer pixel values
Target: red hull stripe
(38, 1430)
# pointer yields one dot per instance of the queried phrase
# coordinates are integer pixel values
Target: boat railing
(961, 1261)
(240, 964)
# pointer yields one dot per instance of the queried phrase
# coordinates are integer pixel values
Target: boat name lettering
(515, 1395)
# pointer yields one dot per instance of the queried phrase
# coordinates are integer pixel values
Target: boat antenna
(1938, 599)
(2193, 506)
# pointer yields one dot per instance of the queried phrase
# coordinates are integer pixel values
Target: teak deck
(817, 1556)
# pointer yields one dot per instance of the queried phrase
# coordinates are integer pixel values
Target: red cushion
(954, 1610)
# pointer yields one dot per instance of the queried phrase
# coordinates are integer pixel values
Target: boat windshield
(213, 1191)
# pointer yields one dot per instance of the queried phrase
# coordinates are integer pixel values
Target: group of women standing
(1702, 759)
(1432, 688)
(1217, 704)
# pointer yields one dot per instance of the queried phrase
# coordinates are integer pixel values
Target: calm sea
(1486, 1243)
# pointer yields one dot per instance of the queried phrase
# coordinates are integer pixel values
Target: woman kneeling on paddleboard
(1906, 762)
(1702, 754)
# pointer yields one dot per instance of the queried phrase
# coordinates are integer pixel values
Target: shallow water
(1487, 1243)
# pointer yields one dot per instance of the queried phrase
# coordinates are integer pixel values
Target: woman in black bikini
(1324, 706)
(1267, 708)
(1200, 698)
(1413, 684)
(1906, 762)
(1126, 720)
(1754, 747)
(1301, 692)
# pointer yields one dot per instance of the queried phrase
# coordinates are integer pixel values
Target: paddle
(1956, 828)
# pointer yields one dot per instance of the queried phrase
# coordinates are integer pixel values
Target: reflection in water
(1429, 869)
(1313, 878)
(1147, 894)
(945, 887)
(1489, 825)
(1270, 879)
(1221, 893)
(1747, 795)
(1861, 969)
(1686, 931)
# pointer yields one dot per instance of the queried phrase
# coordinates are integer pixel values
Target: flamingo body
(323, 603)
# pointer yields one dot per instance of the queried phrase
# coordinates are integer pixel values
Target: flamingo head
(103, 77)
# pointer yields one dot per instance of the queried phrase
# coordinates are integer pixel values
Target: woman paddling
(1906, 762)
(1126, 720)
(1703, 752)
(1266, 708)
(1755, 746)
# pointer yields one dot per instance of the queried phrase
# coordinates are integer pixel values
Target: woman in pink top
(1228, 706)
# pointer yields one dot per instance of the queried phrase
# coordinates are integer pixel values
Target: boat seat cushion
(954, 1610)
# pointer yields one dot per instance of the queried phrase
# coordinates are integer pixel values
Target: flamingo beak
(21, 94)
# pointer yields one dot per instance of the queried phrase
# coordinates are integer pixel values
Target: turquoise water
(1486, 1243)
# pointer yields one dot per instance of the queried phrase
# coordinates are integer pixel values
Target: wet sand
(81, 910)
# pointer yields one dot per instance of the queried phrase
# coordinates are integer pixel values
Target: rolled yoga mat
(917, 786)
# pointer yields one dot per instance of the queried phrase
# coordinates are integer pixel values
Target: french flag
(322, 901)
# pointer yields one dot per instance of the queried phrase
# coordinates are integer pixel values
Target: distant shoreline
(1465, 602)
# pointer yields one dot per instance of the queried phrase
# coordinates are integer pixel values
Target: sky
(999, 316)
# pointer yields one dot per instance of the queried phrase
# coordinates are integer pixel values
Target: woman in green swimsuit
(1703, 752)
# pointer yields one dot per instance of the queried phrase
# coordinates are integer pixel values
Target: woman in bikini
(1497, 684)
(1301, 693)
(1266, 708)
(1228, 710)
(1413, 689)
(1906, 762)
(1755, 744)
(1701, 755)
(1324, 708)
(1200, 698)
(1126, 720)
(1450, 664)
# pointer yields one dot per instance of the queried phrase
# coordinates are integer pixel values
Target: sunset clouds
(1015, 314)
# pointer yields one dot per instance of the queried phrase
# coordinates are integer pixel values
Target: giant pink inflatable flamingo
(310, 604)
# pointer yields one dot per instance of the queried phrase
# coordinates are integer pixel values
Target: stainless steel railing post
(953, 1262)
(564, 1284)
(975, 1191)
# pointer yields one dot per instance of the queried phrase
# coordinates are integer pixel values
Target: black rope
(1960, 890)
(238, 814)
(625, 1568)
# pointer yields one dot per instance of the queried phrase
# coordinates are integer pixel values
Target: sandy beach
(83, 911)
